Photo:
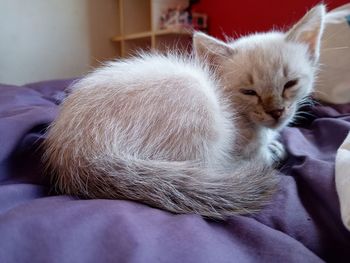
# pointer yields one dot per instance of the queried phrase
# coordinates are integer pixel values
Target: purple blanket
(301, 225)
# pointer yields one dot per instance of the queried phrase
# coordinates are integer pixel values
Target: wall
(234, 18)
(50, 39)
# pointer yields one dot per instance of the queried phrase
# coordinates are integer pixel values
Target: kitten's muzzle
(276, 114)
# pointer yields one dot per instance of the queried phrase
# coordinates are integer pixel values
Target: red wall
(233, 18)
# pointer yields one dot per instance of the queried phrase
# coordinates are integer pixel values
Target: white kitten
(189, 135)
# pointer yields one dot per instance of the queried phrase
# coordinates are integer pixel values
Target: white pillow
(342, 180)
(333, 84)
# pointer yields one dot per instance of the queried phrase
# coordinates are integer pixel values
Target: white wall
(50, 39)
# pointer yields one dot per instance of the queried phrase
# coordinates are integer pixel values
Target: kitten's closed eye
(290, 84)
(248, 92)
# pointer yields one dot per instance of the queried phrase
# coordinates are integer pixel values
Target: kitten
(187, 134)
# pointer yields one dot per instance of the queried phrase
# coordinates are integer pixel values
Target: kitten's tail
(179, 187)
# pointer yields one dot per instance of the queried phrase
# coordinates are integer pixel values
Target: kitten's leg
(274, 151)
(264, 145)
(278, 153)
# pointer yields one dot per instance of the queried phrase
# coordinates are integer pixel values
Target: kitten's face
(266, 77)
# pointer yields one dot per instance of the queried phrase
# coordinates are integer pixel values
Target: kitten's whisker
(334, 48)
(302, 113)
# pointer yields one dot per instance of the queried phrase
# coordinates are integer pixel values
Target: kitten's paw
(278, 153)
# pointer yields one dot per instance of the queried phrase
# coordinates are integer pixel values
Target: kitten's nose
(276, 114)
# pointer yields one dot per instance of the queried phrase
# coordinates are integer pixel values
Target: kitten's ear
(209, 49)
(309, 30)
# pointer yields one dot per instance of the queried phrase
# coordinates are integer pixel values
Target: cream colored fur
(180, 133)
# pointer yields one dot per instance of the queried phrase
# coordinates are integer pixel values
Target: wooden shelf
(132, 36)
(150, 34)
(139, 26)
(173, 32)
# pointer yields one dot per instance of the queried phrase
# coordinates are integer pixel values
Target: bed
(302, 223)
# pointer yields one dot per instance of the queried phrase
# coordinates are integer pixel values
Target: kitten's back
(160, 107)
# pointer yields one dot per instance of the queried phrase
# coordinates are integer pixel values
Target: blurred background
(54, 39)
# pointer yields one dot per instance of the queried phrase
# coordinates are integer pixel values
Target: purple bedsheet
(301, 225)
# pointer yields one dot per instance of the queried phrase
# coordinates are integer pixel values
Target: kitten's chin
(272, 123)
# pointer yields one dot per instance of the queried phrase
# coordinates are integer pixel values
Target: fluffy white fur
(189, 135)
